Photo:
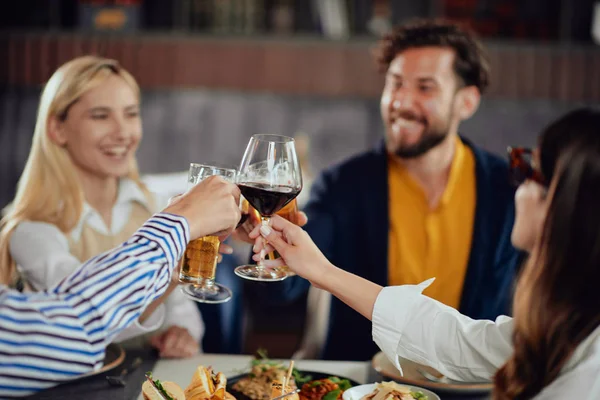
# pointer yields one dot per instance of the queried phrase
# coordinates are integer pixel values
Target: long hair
(555, 305)
(49, 189)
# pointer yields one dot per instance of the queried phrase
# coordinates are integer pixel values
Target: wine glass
(289, 212)
(199, 262)
(269, 177)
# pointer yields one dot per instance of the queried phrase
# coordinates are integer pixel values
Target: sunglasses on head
(521, 166)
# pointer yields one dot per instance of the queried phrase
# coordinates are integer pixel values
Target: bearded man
(426, 202)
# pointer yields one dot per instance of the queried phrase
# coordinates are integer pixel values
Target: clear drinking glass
(199, 263)
(269, 177)
(289, 212)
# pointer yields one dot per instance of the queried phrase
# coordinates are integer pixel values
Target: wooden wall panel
(293, 67)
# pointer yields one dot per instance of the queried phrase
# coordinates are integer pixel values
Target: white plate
(357, 392)
(412, 376)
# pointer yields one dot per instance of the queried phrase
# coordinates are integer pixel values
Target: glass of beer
(198, 265)
(289, 212)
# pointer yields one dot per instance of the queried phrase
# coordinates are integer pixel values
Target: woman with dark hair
(551, 348)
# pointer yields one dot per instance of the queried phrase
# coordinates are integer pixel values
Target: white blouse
(42, 254)
(416, 327)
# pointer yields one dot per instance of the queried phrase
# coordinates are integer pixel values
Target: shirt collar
(456, 171)
(128, 192)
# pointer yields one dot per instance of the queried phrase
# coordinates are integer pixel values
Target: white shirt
(42, 254)
(416, 327)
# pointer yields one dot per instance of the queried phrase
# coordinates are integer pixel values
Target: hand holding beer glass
(199, 263)
(269, 178)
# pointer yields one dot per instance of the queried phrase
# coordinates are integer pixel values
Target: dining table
(180, 371)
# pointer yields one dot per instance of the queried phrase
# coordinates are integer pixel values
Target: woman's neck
(101, 194)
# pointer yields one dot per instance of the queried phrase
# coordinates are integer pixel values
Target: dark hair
(555, 304)
(581, 125)
(470, 65)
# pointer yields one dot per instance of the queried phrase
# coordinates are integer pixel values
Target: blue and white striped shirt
(55, 335)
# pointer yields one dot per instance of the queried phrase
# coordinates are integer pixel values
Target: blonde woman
(80, 193)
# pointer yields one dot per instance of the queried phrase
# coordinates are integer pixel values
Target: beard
(429, 140)
(431, 137)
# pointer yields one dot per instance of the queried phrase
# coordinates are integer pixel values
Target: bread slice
(150, 392)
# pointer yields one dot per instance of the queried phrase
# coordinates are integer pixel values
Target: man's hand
(210, 207)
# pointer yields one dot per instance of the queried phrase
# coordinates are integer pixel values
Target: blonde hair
(49, 189)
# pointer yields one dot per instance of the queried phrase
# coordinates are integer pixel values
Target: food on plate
(257, 385)
(331, 388)
(277, 390)
(162, 390)
(205, 385)
(266, 377)
(393, 391)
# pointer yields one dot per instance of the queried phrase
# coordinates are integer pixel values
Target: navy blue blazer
(348, 220)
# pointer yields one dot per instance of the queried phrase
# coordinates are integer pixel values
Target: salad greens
(300, 378)
(332, 395)
(344, 384)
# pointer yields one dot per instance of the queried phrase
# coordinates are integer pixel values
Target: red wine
(268, 199)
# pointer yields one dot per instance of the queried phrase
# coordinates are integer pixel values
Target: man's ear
(56, 131)
(468, 102)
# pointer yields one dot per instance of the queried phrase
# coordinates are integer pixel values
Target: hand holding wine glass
(252, 220)
(269, 178)
(296, 248)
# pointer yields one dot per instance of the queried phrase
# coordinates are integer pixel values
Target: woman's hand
(175, 342)
(294, 245)
(302, 256)
(243, 231)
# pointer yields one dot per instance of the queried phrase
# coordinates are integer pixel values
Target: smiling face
(420, 104)
(102, 129)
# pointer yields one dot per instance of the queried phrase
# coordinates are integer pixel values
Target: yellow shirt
(426, 243)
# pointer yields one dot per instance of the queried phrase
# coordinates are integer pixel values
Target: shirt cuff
(151, 324)
(391, 313)
(171, 232)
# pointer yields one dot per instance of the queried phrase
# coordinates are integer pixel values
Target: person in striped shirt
(58, 334)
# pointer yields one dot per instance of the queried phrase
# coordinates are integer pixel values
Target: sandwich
(157, 390)
(205, 385)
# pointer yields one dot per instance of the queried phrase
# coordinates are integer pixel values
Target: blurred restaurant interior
(214, 72)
